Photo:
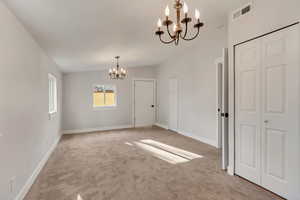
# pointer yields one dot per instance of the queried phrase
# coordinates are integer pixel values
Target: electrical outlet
(12, 182)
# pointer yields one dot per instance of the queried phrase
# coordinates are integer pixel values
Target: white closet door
(280, 109)
(173, 104)
(247, 100)
(267, 112)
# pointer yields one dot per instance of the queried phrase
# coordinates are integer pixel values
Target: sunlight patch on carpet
(180, 152)
(79, 197)
(161, 154)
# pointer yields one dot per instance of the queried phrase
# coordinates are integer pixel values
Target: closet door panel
(279, 109)
(248, 111)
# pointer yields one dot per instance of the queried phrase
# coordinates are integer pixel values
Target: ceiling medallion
(117, 73)
(178, 31)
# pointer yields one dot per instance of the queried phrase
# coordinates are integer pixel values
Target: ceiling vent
(242, 11)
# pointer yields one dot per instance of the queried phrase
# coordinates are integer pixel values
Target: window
(52, 94)
(104, 96)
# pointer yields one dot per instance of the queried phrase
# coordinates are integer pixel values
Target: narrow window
(104, 96)
(52, 94)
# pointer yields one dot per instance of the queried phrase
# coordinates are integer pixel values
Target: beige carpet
(118, 165)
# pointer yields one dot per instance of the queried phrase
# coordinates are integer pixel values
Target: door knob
(266, 121)
(152, 106)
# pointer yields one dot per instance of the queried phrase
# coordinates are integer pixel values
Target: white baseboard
(36, 172)
(88, 130)
(230, 171)
(199, 138)
(161, 126)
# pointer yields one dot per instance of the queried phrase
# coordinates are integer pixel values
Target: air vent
(242, 11)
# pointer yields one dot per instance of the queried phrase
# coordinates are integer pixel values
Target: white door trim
(133, 98)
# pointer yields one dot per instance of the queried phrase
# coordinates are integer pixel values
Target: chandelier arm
(166, 42)
(171, 36)
(189, 39)
(185, 32)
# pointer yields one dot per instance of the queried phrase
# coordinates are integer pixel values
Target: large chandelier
(178, 31)
(118, 72)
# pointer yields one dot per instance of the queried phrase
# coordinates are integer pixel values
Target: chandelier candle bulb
(167, 11)
(159, 23)
(174, 28)
(185, 8)
(197, 14)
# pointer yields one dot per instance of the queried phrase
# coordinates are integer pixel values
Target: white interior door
(220, 104)
(280, 86)
(224, 110)
(144, 103)
(173, 104)
(247, 129)
(267, 112)
(222, 107)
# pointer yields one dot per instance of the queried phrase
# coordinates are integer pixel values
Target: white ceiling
(85, 35)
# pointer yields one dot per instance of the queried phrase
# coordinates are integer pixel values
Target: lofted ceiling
(85, 35)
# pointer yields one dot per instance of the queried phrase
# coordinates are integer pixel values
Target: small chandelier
(178, 31)
(117, 73)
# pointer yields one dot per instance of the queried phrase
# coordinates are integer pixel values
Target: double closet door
(267, 111)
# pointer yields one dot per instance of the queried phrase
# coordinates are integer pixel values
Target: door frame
(133, 98)
(232, 95)
(222, 103)
(219, 77)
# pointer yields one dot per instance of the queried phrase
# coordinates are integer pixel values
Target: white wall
(78, 111)
(27, 134)
(196, 72)
(268, 15)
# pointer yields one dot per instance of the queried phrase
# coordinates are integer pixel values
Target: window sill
(104, 108)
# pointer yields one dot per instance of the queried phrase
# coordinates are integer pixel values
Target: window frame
(106, 106)
(52, 94)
